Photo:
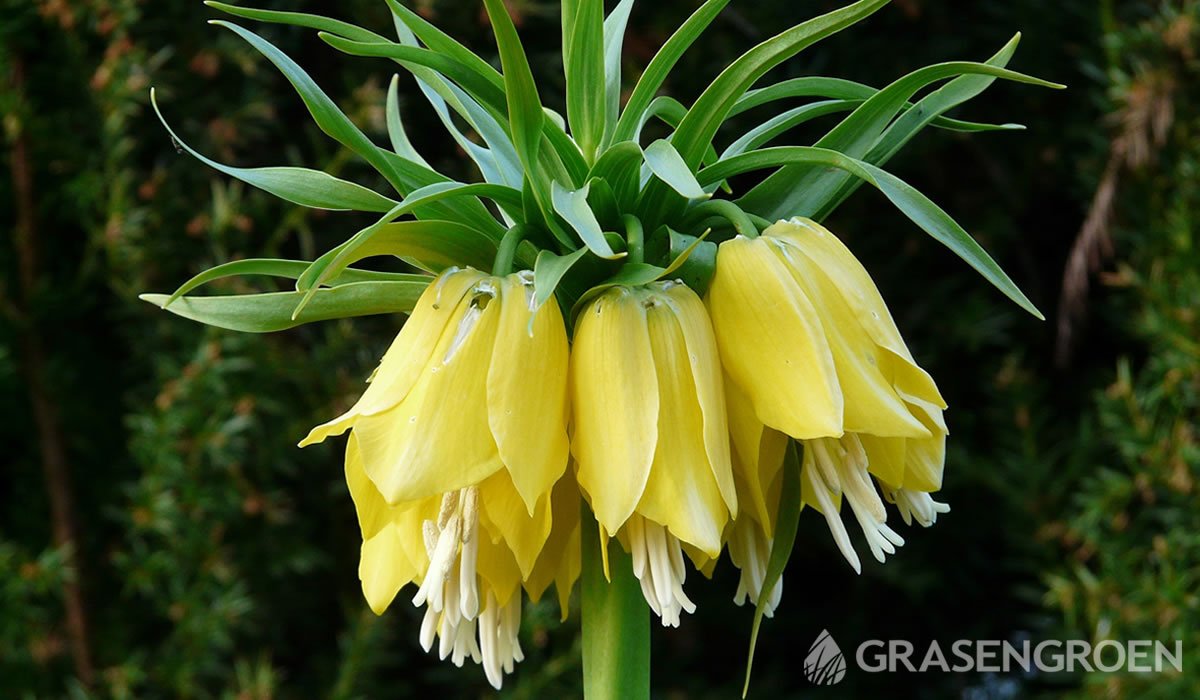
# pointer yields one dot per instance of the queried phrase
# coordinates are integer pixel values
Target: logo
(825, 664)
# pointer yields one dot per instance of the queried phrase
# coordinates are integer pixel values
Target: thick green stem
(508, 249)
(616, 623)
(726, 210)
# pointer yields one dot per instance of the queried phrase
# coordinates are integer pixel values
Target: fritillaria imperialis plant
(606, 340)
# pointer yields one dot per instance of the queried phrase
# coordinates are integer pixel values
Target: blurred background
(161, 535)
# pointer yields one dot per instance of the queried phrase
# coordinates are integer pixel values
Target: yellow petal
(758, 453)
(614, 398)
(886, 458)
(498, 568)
(925, 459)
(561, 559)
(384, 568)
(527, 391)
(701, 349)
(771, 341)
(681, 492)
(437, 439)
(845, 271)
(409, 353)
(373, 512)
(504, 514)
(871, 403)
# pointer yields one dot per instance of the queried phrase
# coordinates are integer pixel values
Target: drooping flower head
(454, 449)
(650, 432)
(804, 333)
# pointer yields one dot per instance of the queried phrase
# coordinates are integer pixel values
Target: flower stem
(724, 209)
(508, 249)
(616, 623)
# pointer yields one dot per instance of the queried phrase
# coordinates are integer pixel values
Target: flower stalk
(616, 622)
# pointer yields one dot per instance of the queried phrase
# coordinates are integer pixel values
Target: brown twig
(45, 412)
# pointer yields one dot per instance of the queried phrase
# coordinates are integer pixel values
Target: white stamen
(500, 648)
(658, 565)
(750, 551)
(842, 466)
(915, 505)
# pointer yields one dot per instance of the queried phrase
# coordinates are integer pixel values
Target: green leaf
(807, 190)
(298, 19)
(442, 43)
(620, 167)
(696, 131)
(549, 270)
(785, 121)
(660, 67)
(309, 188)
(583, 63)
(263, 313)
(524, 106)
(694, 260)
(614, 38)
(666, 164)
(572, 205)
(916, 206)
(636, 274)
(410, 56)
(395, 126)
(508, 198)
(787, 525)
(275, 267)
(616, 621)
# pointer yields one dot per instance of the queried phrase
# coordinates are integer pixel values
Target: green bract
(581, 201)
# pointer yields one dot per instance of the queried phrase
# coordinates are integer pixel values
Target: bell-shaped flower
(649, 432)
(475, 382)
(807, 338)
(804, 333)
(454, 448)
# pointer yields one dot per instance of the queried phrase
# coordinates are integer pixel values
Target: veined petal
(771, 341)
(614, 397)
(373, 512)
(846, 273)
(505, 516)
(681, 492)
(871, 403)
(384, 568)
(409, 353)
(706, 373)
(527, 391)
(437, 439)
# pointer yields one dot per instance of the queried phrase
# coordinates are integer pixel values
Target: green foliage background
(215, 559)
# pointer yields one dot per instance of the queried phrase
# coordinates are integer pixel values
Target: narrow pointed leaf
(264, 313)
(666, 164)
(916, 206)
(395, 126)
(660, 66)
(275, 267)
(572, 205)
(614, 39)
(787, 526)
(549, 270)
(309, 188)
(584, 67)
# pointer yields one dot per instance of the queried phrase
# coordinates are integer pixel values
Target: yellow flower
(455, 447)
(803, 331)
(474, 383)
(806, 336)
(650, 434)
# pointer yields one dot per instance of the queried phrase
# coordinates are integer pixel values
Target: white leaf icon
(824, 664)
